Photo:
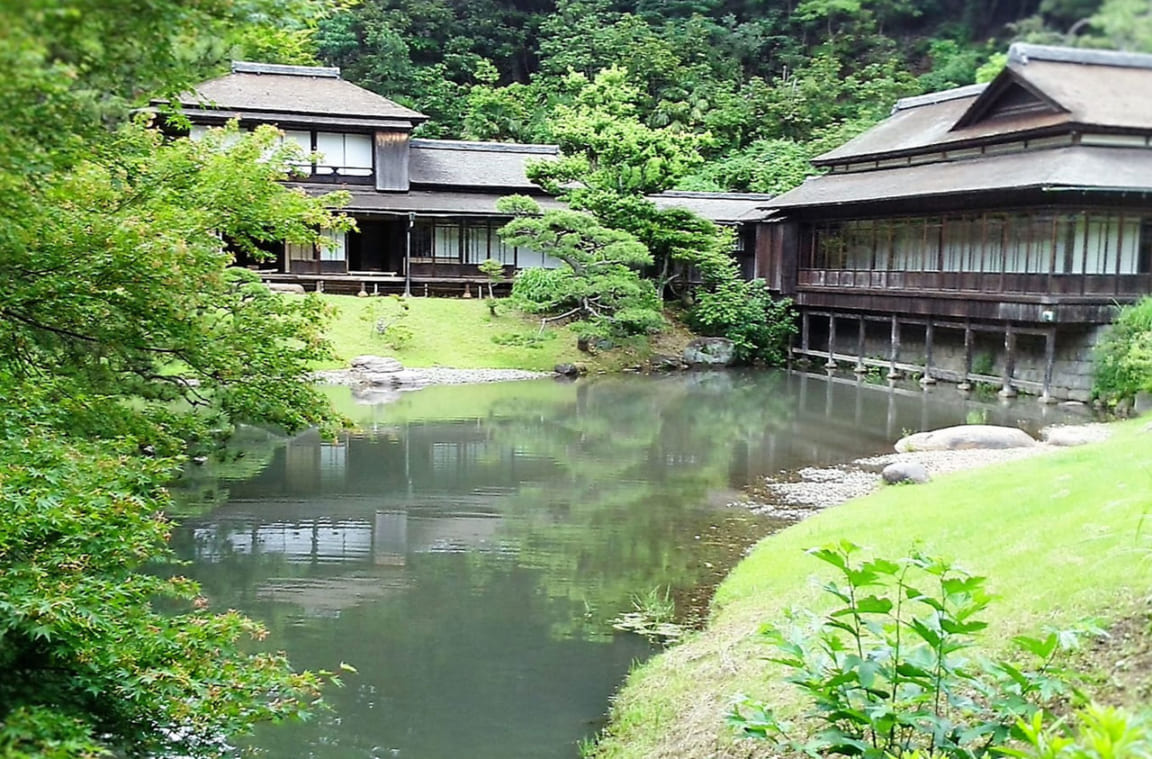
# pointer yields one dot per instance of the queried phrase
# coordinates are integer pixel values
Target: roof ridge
(495, 147)
(1023, 52)
(932, 98)
(281, 69)
(722, 195)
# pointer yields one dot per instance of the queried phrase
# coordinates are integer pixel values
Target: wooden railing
(977, 282)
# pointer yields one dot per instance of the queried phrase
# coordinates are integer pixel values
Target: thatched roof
(299, 91)
(488, 165)
(1090, 169)
(1043, 90)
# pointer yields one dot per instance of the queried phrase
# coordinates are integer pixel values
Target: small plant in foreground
(884, 669)
(1095, 732)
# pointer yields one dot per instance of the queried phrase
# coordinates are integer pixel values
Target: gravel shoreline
(793, 496)
(414, 379)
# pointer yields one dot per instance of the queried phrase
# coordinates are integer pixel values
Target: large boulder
(966, 437)
(900, 472)
(1074, 434)
(710, 351)
(663, 363)
(375, 365)
(285, 287)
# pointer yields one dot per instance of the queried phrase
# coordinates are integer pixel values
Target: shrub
(884, 670)
(1124, 356)
(747, 314)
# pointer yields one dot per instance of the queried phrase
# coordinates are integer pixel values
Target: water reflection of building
(450, 457)
(383, 538)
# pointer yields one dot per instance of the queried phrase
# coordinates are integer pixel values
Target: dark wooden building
(425, 209)
(985, 232)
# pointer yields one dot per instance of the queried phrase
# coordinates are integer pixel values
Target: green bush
(1124, 355)
(884, 670)
(747, 314)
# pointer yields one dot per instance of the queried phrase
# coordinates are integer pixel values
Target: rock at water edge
(710, 351)
(1068, 436)
(375, 364)
(966, 437)
(905, 472)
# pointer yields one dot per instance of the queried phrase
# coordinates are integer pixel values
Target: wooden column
(929, 333)
(831, 362)
(804, 336)
(890, 417)
(1006, 389)
(965, 382)
(860, 368)
(1049, 364)
(894, 354)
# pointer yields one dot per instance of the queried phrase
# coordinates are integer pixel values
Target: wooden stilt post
(928, 379)
(804, 331)
(1006, 389)
(831, 362)
(1049, 364)
(890, 417)
(860, 368)
(965, 381)
(893, 372)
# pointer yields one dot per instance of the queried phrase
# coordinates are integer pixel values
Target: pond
(467, 548)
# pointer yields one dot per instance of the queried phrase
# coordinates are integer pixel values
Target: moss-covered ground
(1062, 538)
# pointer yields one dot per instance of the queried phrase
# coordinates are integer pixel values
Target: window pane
(330, 146)
(446, 242)
(335, 249)
(299, 251)
(475, 243)
(357, 155)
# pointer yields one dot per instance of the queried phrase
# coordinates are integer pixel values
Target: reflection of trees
(639, 458)
(202, 488)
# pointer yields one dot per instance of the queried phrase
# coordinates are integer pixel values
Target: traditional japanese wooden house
(425, 209)
(981, 233)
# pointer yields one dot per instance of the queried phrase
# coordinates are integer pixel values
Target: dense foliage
(799, 75)
(125, 337)
(1124, 355)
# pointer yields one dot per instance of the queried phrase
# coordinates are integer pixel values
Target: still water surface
(468, 547)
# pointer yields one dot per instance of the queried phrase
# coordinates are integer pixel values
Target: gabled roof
(1042, 90)
(1092, 169)
(305, 91)
(485, 165)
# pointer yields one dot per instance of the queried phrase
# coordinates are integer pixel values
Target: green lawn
(458, 333)
(1061, 537)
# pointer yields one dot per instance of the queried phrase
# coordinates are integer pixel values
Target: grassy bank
(1061, 537)
(464, 334)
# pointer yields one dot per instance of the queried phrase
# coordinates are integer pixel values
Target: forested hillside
(770, 81)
